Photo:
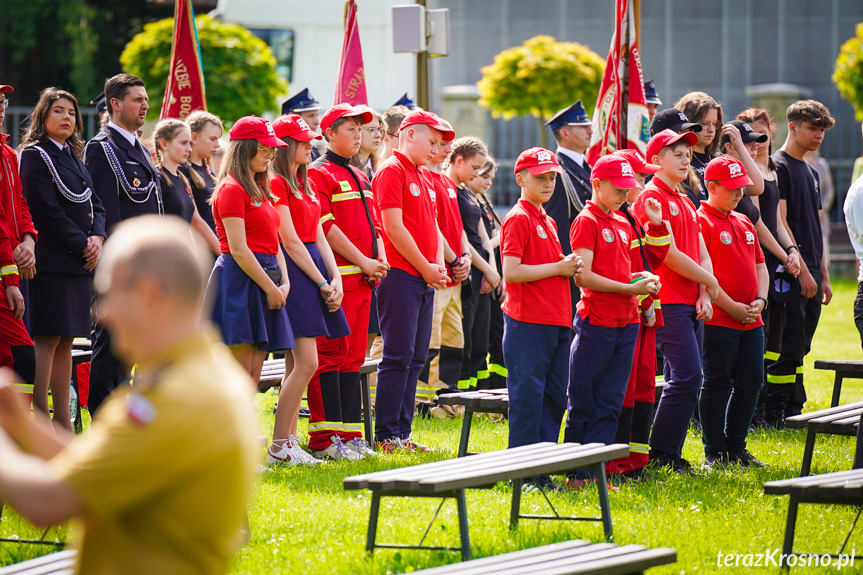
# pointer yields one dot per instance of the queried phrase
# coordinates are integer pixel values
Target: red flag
(624, 59)
(185, 91)
(351, 84)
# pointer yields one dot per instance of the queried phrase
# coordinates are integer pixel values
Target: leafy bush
(848, 75)
(239, 69)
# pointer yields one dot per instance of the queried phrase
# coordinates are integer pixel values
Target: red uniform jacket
(15, 218)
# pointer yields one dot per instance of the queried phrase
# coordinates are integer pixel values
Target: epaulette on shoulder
(100, 136)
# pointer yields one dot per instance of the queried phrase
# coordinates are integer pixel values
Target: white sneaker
(361, 448)
(337, 451)
(301, 454)
(290, 453)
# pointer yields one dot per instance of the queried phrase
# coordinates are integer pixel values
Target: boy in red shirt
(647, 252)
(405, 198)
(537, 309)
(688, 290)
(349, 222)
(734, 337)
(606, 321)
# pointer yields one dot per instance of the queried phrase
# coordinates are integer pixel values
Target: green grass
(303, 521)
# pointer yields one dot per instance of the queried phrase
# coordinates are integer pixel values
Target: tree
(239, 69)
(848, 75)
(539, 78)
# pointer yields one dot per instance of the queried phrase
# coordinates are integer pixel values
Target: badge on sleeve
(140, 410)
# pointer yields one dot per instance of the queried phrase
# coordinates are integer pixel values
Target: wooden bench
(491, 401)
(273, 373)
(840, 488)
(59, 563)
(450, 478)
(841, 420)
(566, 558)
(845, 369)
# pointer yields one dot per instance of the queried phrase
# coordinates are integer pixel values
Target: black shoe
(774, 415)
(758, 419)
(546, 484)
(660, 459)
(423, 409)
(640, 475)
(793, 410)
(744, 459)
(304, 412)
(713, 459)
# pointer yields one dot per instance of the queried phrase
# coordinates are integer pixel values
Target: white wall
(318, 35)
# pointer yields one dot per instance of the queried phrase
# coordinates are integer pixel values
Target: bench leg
(365, 393)
(837, 390)
(807, 453)
(602, 488)
(790, 522)
(516, 503)
(465, 432)
(462, 525)
(373, 522)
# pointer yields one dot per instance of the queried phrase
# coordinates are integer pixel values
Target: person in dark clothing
(206, 130)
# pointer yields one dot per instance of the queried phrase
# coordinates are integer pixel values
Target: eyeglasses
(4, 104)
(391, 135)
(373, 131)
(267, 151)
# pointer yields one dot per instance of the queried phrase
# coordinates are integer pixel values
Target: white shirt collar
(578, 157)
(124, 132)
(58, 144)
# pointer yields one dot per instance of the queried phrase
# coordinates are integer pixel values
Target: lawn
(303, 521)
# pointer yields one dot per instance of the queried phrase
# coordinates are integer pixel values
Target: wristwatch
(764, 300)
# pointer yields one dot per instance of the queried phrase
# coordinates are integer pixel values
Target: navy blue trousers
(537, 362)
(405, 310)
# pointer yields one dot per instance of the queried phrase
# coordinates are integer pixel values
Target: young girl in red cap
(249, 282)
(314, 277)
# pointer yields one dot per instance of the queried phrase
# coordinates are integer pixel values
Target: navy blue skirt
(240, 307)
(60, 305)
(308, 319)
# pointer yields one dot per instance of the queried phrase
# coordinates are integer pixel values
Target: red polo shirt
(261, 218)
(529, 234)
(400, 184)
(732, 243)
(680, 212)
(448, 215)
(608, 236)
(305, 209)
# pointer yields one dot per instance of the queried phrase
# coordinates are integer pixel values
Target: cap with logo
(294, 127)
(537, 161)
(728, 171)
(430, 119)
(650, 94)
(637, 161)
(406, 101)
(616, 170)
(672, 119)
(668, 138)
(302, 101)
(345, 110)
(255, 128)
(573, 115)
(747, 134)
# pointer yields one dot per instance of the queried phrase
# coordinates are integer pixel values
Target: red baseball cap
(430, 119)
(668, 137)
(6, 88)
(254, 128)
(728, 171)
(637, 161)
(345, 110)
(294, 127)
(616, 170)
(537, 161)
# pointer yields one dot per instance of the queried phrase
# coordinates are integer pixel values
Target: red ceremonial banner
(185, 90)
(624, 61)
(351, 83)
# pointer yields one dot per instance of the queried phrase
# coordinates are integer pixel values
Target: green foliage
(848, 75)
(541, 77)
(239, 69)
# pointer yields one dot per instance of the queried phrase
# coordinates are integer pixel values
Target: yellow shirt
(166, 472)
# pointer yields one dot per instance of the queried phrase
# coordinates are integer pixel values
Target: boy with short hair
(734, 337)
(606, 321)
(687, 293)
(349, 222)
(792, 328)
(537, 309)
(406, 201)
